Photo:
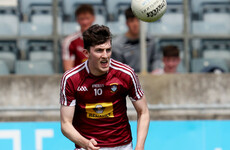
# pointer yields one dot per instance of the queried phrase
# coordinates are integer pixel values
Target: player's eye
(99, 50)
(108, 50)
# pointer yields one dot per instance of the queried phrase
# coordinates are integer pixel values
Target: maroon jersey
(100, 102)
(72, 48)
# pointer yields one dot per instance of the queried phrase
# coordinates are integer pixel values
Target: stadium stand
(213, 17)
(33, 67)
(40, 21)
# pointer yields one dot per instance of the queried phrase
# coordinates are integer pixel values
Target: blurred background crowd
(32, 33)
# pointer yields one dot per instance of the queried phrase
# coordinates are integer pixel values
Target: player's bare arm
(68, 64)
(142, 122)
(71, 133)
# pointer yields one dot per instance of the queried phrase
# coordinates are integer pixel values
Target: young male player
(72, 48)
(93, 98)
(171, 60)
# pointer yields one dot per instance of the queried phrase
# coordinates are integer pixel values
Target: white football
(148, 10)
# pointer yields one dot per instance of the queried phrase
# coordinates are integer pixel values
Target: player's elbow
(64, 128)
(144, 113)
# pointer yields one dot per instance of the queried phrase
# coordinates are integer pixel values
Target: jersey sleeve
(135, 90)
(67, 96)
(67, 50)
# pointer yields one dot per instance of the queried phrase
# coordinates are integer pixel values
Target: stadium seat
(169, 24)
(70, 28)
(117, 28)
(197, 4)
(9, 25)
(34, 68)
(47, 21)
(41, 55)
(207, 44)
(25, 5)
(40, 50)
(202, 27)
(8, 53)
(217, 17)
(198, 64)
(29, 29)
(3, 68)
(213, 20)
(9, 58)
(218, 54)
(116, 7)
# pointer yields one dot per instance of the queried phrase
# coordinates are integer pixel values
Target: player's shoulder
(122, 68)
(74, 73)
(73, 37)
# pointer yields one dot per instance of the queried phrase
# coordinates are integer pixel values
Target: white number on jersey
(98, 91)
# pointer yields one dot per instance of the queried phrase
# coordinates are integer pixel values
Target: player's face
(85, 20)
(99, 58)
(133, 25)
(171, 64)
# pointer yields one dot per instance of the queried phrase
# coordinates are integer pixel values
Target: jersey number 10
(98, 91)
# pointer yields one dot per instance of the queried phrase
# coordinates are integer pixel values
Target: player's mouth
(104, 63)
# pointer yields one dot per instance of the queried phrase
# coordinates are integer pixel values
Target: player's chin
(104, 69)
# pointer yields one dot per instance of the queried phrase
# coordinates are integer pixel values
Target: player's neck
(94, 71)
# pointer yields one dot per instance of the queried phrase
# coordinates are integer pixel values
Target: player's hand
(92, 145)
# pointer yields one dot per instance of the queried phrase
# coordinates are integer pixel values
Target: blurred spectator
(171, 60)
(73, 45)
(126, 47)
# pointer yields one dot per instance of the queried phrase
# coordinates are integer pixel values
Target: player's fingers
(93, 141)
(92, 145)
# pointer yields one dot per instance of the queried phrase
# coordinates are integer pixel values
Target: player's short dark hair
(96, 35)
(171, 51)
(129, 13)
(84, 8)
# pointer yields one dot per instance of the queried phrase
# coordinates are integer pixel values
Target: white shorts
(123, 147)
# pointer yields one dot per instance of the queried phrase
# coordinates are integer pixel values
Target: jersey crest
(113, 87)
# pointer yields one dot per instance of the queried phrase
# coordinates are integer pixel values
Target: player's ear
(86, 53)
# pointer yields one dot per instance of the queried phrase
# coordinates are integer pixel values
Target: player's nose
(105, 54)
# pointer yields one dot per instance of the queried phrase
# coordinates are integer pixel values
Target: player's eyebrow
(99, 49)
